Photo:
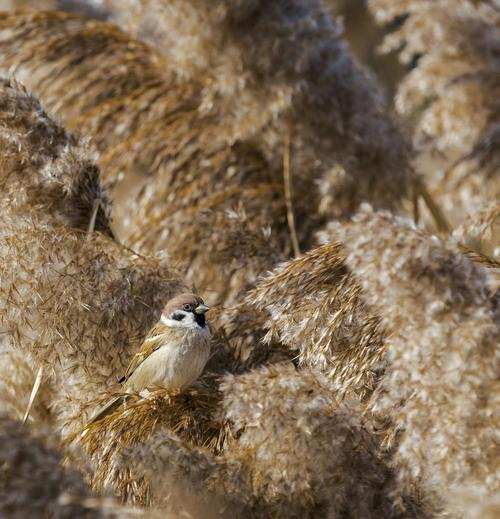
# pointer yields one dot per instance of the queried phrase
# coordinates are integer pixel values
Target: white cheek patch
(165, 321)
(187, 322)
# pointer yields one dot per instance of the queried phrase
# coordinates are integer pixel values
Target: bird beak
(201, 309)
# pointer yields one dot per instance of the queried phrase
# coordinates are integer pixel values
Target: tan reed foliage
(440, 389)
(472, 505)
(193, 416)
(213, 150)
(452, 93)
(284, 59)
(45, 168)
(297, 452)
(481, 230)
(314, 306)
(39, 5)
(308, 454)
(17, 376)
(71, 301)
(144, 122)
(185, 479)
(34, 483)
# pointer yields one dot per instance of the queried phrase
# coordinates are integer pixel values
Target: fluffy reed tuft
(71, 301)
(34, 483)
(296, 452)
(45, 168)
(212, 149)
(440, 388)
(284, 60)
(451, 91)
(193, 416)
(185, 479)
(308, 454)
(314, 306)
(479, 234)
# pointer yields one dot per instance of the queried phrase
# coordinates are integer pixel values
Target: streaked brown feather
(157, 337)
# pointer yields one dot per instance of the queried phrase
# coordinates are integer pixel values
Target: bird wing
(155, 339)
(107, 409)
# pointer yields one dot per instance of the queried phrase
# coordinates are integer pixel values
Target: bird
(172, 356)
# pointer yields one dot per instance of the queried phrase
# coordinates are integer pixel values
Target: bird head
(185, 311)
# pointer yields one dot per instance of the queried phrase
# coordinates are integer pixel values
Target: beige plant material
(186, 479)
(471, 504)
(34, 483)
(306, 451)
(193, 416)
(440, 389)
(223, 200)
(452, 92)
(315, 307)
(296, 452)
(196, 145)
(45, 168)
(39, 5)
(71, 301)
(481, 230)
(17, 379)
(269, 61)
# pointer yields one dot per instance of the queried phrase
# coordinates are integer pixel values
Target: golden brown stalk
(288, 182)
(17, 379)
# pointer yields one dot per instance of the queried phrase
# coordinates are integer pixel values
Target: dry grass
(451, 95)
(354, 369)
(315, 307)
(440, 388)
(296, 452)
(192, 416)
(73, 302)
(194, 154)
(34, 483)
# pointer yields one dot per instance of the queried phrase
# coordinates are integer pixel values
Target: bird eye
(178, 317)
(187, 307)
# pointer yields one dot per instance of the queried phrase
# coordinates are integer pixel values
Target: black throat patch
(200, 319)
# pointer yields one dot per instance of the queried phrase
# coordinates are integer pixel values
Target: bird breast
(174, 365)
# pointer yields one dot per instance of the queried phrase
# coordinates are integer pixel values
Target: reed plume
(314, 306)
(72, 300)
(34, 482)
(451, 93)
(440, 387)
(187, 147)
(323, 461)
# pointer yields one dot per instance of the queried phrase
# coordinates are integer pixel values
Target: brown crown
(178, 302)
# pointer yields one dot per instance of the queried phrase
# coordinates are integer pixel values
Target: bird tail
(107, 409)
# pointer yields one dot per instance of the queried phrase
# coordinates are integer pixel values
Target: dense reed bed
(240, 150)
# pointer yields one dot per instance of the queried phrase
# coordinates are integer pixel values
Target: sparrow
(172, 356)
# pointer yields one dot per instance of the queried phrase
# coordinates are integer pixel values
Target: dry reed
(71, 301)
(451, 93)
(314, 306)
(440, 387)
